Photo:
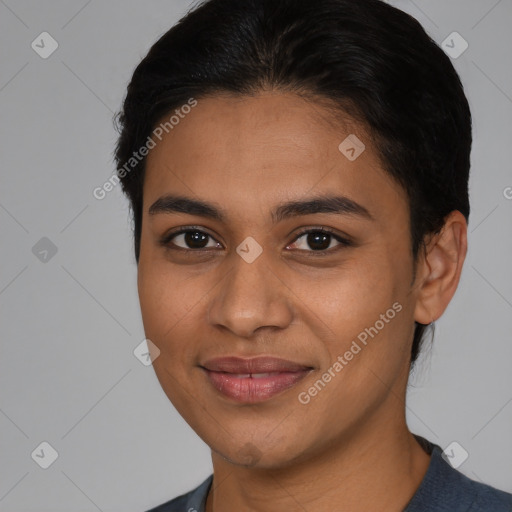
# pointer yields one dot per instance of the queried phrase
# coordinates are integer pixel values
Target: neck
(372, 468)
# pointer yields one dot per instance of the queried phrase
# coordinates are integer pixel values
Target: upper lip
(263, 364)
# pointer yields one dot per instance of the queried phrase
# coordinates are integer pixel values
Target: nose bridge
(249, 297)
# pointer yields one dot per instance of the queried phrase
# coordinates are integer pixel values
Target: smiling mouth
(253, 380)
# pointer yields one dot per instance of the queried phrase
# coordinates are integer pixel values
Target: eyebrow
(340, 205)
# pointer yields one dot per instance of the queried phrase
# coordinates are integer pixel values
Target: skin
(349, 447)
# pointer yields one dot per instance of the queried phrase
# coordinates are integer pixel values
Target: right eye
(189, 240)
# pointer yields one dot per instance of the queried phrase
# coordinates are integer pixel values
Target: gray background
(70, 324)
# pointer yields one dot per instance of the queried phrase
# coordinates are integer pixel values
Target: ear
(439, 269)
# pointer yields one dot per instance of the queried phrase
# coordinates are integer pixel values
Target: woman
(298, 175)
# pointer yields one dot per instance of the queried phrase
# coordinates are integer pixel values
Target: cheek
(168, 302)
(351, 297)
(366, 342)
(169, 312)
(361, 314)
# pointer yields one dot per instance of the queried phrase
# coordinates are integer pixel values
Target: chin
(264, 454)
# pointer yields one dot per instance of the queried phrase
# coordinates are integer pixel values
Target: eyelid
(321, 229)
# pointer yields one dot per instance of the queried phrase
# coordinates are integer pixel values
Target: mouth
(253, 380)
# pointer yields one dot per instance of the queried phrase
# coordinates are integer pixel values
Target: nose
(250, 297)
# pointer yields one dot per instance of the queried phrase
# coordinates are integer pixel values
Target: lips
(253, 380)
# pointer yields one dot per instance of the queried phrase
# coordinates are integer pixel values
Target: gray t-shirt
(443, 489)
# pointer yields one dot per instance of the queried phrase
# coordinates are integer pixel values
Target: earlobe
(440, 269)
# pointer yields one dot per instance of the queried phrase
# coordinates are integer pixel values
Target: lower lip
(253, 389)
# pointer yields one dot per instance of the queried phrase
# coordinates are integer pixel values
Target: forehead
(254, 150)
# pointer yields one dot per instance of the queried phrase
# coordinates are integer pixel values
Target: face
(282, 247)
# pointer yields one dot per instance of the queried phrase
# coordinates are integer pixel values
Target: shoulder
(488, 498)
(484, 497)
(444, 489)
(480, 497)
(192, 501)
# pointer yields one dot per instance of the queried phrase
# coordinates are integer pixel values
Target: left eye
(318, 240)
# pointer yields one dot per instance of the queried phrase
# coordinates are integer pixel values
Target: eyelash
(343, 242)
